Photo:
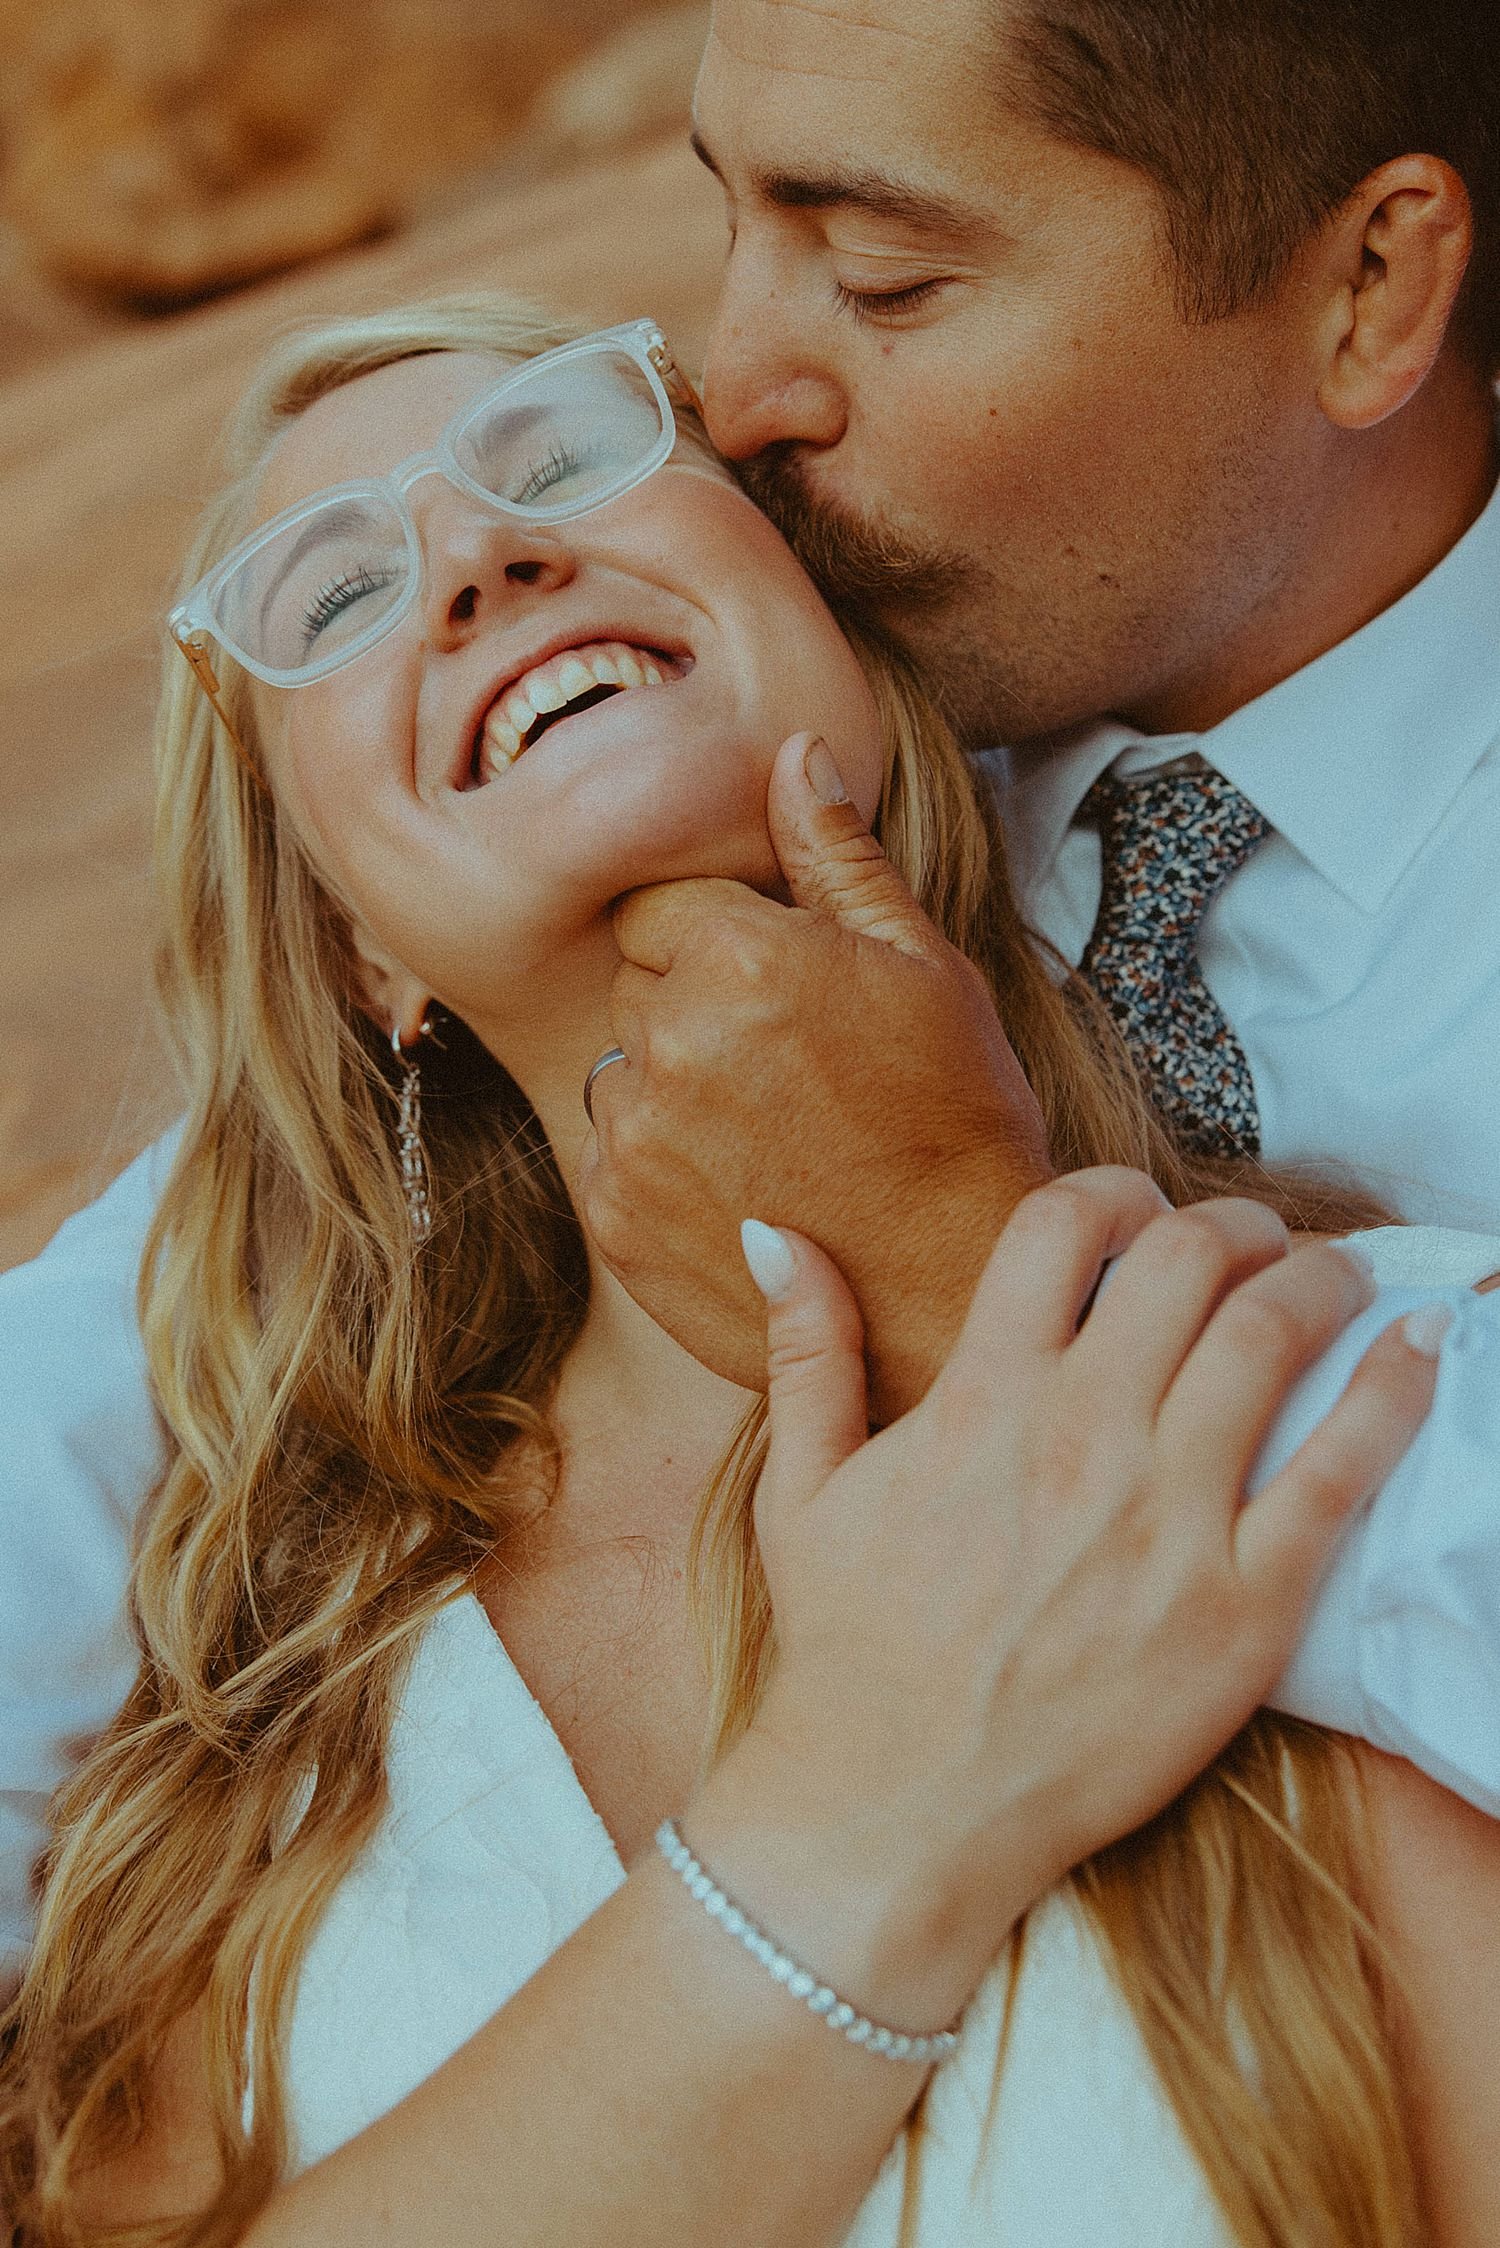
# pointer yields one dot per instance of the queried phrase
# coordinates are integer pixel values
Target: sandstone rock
(160, 150)
(636, 84)
(38, 320)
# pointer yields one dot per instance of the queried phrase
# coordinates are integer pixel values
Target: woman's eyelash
(866, 304)
(334, 598)
(559, 464)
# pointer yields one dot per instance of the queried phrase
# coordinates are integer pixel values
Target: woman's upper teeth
(553, 685)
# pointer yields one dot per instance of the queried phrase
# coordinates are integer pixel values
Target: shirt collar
(1355, 759)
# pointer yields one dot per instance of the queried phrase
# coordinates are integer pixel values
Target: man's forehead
(791, 85)
(854, 43)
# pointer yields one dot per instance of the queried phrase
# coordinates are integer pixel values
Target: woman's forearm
(651, 2082)
(1008, 1630)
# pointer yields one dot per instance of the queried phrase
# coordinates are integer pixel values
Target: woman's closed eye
(339, 595)
(561, 465)
(546, 474)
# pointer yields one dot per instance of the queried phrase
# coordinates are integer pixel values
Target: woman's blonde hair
(356, 1424)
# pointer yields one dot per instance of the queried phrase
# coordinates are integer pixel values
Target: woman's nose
(476, 563)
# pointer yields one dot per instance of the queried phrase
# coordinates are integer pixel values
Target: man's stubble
(938, 607)
(1068, 641)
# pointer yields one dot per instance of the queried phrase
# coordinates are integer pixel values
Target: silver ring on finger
(615, 1054)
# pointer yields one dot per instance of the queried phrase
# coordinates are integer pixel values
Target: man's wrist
(972, 1200)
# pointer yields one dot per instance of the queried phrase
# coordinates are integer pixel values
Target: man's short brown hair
(1257, 119)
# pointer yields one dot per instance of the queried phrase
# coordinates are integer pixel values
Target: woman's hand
(1014, 1625)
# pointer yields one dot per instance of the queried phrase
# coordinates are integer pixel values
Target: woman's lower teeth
(504, 740)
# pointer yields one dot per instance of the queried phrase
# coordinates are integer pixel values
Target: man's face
(949, 360)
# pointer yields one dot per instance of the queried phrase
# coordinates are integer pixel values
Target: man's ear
(389, 994)
(1397, 255)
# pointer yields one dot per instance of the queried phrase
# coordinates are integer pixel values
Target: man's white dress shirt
(80, 1447)
(1357, 953)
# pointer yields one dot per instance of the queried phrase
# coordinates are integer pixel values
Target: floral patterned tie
(1171, 840)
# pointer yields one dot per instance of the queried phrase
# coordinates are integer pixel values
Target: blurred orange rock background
(153, 152)
(156, 155)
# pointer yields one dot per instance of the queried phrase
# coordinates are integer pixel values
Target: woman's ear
(389, 994)
(1399, 252)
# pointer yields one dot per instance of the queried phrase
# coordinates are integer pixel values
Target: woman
(426, 1453)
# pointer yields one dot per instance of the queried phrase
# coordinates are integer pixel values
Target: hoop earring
(416, 1179)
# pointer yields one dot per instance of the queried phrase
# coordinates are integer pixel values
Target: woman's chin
(638, 813)
(728, 843)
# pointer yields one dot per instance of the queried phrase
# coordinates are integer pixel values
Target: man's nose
(475, 562)
(762, 384)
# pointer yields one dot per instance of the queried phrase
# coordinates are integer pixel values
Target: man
(1070, 491)
(1130, 363)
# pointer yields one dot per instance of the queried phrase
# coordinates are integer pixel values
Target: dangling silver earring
(416, 1180)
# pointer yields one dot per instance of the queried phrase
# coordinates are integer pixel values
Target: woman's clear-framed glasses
(320, 584)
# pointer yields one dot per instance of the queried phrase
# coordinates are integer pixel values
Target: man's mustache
(858, 563)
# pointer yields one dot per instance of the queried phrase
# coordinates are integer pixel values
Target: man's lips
(558, 686)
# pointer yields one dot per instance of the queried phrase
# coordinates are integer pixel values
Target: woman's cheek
(716, 828)
(826, 693)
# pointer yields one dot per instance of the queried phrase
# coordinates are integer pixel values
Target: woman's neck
(642, 1424)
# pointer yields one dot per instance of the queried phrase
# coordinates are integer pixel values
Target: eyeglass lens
(550, 444)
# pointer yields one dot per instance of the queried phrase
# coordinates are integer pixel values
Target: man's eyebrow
(845, 188)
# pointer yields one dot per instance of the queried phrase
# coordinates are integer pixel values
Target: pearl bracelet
(816, 1996)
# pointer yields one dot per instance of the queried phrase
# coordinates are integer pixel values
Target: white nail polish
(1361, 1259)
(1423, 1329)
(773, 1268)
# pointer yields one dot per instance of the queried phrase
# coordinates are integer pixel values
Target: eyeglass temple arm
(678, 386)
(191, 647)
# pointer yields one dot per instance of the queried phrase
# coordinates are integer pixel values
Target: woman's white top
(491, 1855)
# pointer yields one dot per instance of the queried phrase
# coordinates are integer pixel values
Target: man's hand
(835, 1066)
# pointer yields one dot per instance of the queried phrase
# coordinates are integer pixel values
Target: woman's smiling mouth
(568, 683)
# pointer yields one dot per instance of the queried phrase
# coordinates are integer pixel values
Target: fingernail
(1423, 1330)
(1362, 1261)
(823, 776)
(773, 1268)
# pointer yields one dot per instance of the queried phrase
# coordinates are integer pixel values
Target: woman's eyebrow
(851, 188)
